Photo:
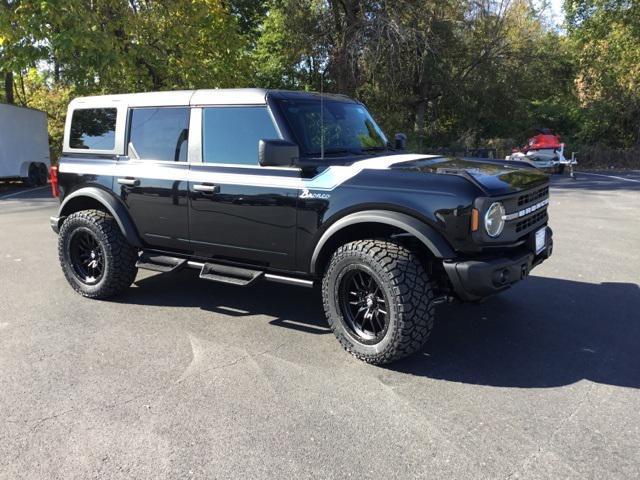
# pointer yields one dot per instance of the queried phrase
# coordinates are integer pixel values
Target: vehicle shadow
(543, 332)
(293, 307)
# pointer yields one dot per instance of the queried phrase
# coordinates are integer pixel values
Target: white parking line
(14, 194)
(610, 176)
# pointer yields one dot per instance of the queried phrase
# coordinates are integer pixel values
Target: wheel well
(366, 230)
(83, 203)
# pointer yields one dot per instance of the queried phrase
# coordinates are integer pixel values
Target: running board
(227, 274)
(300, 282)
(160, 263)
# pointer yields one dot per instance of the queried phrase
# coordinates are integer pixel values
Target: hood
(494, 176)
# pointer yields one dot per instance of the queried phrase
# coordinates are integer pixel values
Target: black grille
(531, 221)
(533, 196)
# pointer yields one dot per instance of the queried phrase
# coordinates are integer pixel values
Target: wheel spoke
(371, 283)
(380, 324)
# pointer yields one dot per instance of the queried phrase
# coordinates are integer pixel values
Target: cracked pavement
(182, 378)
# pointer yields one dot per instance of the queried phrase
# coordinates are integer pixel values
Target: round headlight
(493, 221)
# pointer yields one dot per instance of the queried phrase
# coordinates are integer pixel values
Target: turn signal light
(53, 177)
(475, 220)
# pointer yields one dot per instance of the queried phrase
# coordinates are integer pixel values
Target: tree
(606, 39)
(20, 42)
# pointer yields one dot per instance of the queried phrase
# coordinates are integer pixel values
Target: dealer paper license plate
(541, 240)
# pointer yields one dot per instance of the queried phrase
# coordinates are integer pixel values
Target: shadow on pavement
(542, 333)
(293, 307)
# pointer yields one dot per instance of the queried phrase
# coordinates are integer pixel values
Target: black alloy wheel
(363, 305)
(87, 256)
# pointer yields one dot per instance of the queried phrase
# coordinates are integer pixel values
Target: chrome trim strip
(526, 211)
(288, 280)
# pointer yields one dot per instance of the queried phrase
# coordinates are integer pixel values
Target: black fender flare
(424, 232)
(115, 208)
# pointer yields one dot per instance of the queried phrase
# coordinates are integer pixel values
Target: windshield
(346, 127)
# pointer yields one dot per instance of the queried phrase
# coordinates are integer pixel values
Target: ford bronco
(249, 185)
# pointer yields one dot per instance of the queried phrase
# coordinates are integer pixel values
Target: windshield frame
(307, 152)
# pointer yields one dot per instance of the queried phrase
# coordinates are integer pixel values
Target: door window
(231, 134)
(159, 134)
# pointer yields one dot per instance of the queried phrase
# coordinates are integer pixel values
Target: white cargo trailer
(24, 145)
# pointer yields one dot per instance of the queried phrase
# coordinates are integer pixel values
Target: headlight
(493, 221)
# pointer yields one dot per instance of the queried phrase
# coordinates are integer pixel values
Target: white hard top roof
(228, 96)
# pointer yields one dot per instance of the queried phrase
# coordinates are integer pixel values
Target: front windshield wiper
(373, 149)
(337, 151)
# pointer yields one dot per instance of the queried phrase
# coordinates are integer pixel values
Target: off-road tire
(403, 279)
(119, 256)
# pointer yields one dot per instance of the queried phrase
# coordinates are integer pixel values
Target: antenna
(322, 116)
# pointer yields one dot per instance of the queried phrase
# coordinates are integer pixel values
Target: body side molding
(114, 207)
(423, 232)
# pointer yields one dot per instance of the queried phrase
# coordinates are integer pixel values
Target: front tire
(378, 300)
(95, 257)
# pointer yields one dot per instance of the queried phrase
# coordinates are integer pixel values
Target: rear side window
(231, 134)
(93, 128)
(159, 134)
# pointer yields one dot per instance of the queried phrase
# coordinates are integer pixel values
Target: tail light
(53, 177)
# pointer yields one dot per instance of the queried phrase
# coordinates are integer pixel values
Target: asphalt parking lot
(181, 378)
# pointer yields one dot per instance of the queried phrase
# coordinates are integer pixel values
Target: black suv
(292, 187)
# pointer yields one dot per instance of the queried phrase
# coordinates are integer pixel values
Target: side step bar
(160, 263)
(227, 274)
(214, 271)
(300, 282)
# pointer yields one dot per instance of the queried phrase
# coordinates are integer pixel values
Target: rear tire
(33, 176)
(95, 257)
(395, 283)
(43, 174)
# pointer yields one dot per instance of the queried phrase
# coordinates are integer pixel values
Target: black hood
(496, 177)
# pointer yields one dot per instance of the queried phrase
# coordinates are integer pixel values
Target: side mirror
(400, 141)
(277, 153)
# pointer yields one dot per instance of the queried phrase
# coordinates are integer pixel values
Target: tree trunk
(348, 16)
(8, 88)
(418, 128)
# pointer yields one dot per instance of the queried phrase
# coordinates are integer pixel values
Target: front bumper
(481, 277)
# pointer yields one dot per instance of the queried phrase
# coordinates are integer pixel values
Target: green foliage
(447, 72)
(37, 90)
(606, 39)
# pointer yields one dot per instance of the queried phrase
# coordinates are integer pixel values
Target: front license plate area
(541, 240)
